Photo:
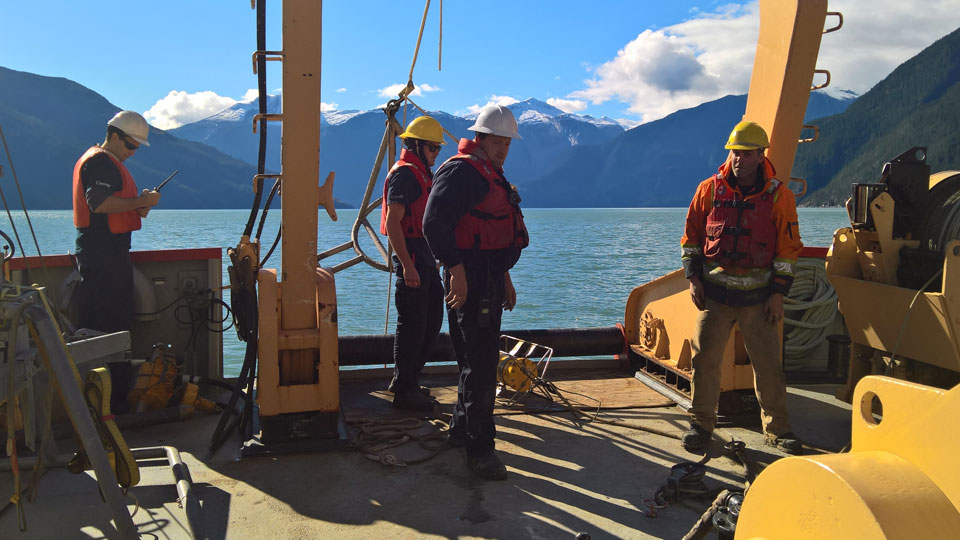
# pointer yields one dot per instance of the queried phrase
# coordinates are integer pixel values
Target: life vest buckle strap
(485, 216)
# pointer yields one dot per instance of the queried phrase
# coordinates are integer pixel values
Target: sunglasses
(129, 145)
(432, 147)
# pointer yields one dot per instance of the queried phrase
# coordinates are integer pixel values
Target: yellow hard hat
(424, 128)
(747, 135)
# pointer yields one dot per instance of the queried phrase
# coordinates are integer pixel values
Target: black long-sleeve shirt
(457, 188)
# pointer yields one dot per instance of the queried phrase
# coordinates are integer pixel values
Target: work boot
(414, 401)
(787, 443)
(487, 466)
(695, 439)
(393, 385)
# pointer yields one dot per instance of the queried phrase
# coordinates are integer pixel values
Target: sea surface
(578, 271)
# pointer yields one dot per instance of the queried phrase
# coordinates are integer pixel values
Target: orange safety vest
(496, 222)
(120, 222)
(740, 231)
(412, 221)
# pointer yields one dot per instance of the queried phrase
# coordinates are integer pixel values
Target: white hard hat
(496, 120)
(132, 124)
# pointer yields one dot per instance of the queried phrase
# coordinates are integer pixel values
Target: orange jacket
(119, 222)
(745, 284)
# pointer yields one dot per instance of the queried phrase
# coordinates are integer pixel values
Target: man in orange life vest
(419, 293)
(474, 226)
(106, 208)
(739, 248)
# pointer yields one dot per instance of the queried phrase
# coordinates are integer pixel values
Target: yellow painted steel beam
(298, 366)
(300, 147)
(783, 70)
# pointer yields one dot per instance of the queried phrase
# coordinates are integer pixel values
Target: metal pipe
(181, 478)
(566, 342)
(184, 483)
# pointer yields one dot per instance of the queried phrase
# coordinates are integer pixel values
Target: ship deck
(564, 477)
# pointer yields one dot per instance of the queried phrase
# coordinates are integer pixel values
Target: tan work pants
(762, 341)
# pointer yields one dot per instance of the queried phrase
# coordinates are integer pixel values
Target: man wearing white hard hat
(107, 208)
(475, 228)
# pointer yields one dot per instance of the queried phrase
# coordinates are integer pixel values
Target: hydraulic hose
(262, 88)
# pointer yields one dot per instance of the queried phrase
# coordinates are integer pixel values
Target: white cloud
(878, 36)
(679, 66)
(568, 105)
(393, 90)
(341, 90)
(711, 54)
(179, 108)
(494, 100)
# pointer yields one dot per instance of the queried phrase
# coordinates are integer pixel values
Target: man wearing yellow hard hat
(419, 292)
(739, 248)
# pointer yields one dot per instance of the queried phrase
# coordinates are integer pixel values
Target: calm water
(577, 272)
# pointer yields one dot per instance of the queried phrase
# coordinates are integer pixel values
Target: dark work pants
(419, 318)
(475, 339)
(105, 293)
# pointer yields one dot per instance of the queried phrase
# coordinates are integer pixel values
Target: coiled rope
(376, 436)
(810, 307)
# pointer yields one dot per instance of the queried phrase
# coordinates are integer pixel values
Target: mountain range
(48, 122)
(558, 150)
(563, 160)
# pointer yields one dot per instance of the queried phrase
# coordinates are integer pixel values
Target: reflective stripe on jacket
(496, 222)
(713, 241)
(119, 222)
(412, 221)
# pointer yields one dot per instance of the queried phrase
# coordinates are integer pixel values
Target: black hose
(262, 88)
(276, 241)
(266, 206)
(246, 372)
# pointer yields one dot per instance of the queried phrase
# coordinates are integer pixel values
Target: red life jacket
(119, 222)
(741, 231)
(496, 222)
(412, 221)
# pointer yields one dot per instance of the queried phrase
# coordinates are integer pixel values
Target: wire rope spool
(940, 225)
(517, 373)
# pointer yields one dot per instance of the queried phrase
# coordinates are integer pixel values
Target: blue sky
(179, 61)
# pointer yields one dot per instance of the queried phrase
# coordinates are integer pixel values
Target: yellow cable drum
(515, 372)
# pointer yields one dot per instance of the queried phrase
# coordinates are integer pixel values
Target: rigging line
(416, 50)
(440, 41)
(451, 135)
(23, 205)
(7, 207)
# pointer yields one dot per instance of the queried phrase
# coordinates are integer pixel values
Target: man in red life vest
(419, 293)
(740, 246)
(107, 208)
(475, 228)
